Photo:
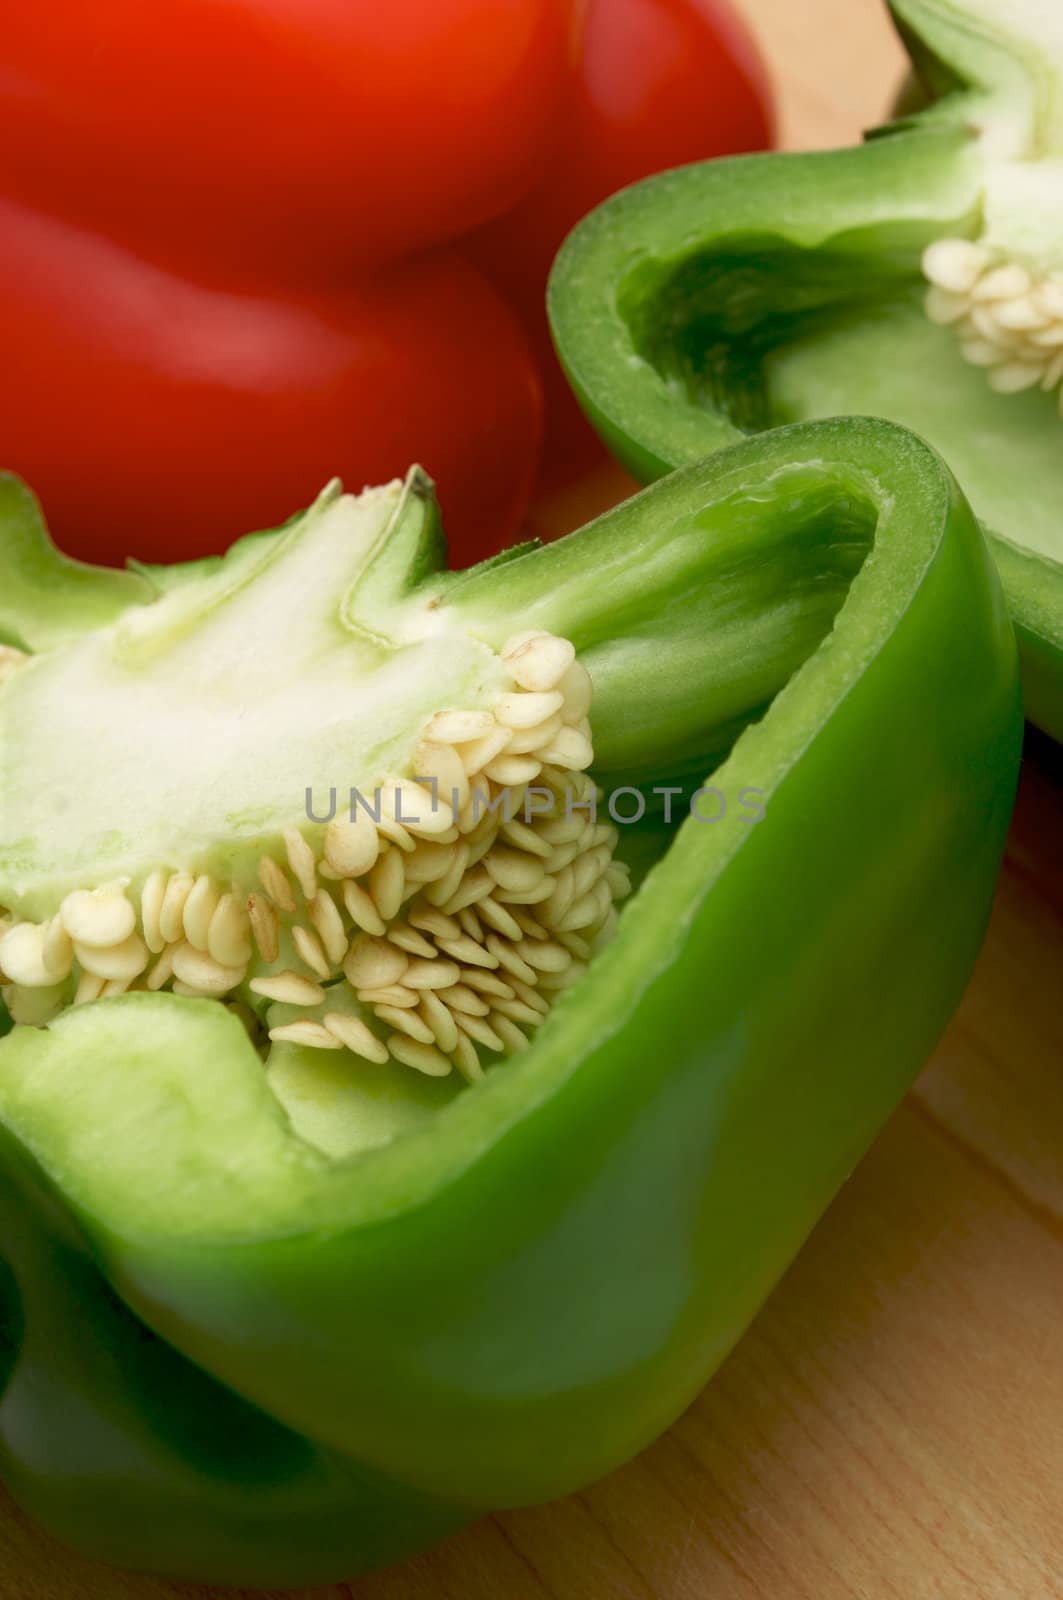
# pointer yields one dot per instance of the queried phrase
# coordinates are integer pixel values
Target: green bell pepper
(919, 278)
(256, 1336)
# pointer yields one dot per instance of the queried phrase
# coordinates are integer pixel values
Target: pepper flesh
(732, 296)
(518, 1292)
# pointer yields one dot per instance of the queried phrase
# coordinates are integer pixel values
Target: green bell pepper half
(730, 296)
(229, 1356)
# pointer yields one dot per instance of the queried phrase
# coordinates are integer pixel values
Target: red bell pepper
(228, 265)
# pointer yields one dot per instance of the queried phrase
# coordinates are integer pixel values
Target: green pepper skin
(502, 1305)
(730, 296)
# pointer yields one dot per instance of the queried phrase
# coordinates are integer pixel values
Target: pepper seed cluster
(1009, 321)
(455, 930)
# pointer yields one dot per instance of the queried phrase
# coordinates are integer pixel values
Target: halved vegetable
(432, 1298)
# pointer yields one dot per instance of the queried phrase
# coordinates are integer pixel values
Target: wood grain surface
(892, 1426)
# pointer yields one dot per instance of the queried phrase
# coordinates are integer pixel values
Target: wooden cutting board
(892, 1426)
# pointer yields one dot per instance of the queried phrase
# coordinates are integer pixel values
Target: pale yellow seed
(436, 974)
(524, 838)
(22, 956)
(500, 919)
(308, 949)
(578, 945)
(980, 353)
(408, 939)
(532, 928)
(57, 951)
(944, 308)
(431, 920)
(353, 1033)
(199, 971)
(102, 916)
(312, 1034)
(508, 770)
(560, 830)
(1014, 376)
(618, 877)
(561, 900)
(290, 988)
(171, 912)
(228, 937)
(955, 264)
(264, 927)
(553, 981)
(329, 925)
(1021, 316)
(514, 869)
(532, 739)
(466, 1060)
(351, 847)
(199, 910)
(469, 923)
(462, 999)
(390, 995)
(480, 839)
(1049, 295)
(468, 952)
(387, 881)
(407, 1022)
(530, 996)
(527, 710)
(516, 1011)
(89, 988)
(423, 1057)
(487, 983)
(413, 806)
(439, 892)
(476, 755)
(301, 861)
(390, 829)
(360, 908)
(472, 816)
(507, 958)
(435, 1014)
(274, 880)
(481, 1032)
(589, 868)
(458, 727)
(114, 987)
(569, 748)
(443, 763)
(371, 963)
(527, 897)
(151, 898)
(1002, 283)
(162, 971)
(576, 692)
(476, 885)
(546, 957)
(508, 1032)
(429, 862)
(539, 664)
(125, 960)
